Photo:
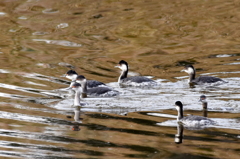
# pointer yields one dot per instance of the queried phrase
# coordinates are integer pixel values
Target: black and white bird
(201, 79)
(191, 120)
(72, 75)
(81, 83)
(134, 80)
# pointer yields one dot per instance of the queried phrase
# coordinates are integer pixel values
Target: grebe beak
(64, 75)
(184, 70)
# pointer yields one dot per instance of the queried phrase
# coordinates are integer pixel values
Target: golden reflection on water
(155, 37)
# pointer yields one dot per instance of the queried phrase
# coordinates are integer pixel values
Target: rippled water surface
(41, 40)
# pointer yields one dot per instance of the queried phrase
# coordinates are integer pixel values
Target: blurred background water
(41, 40)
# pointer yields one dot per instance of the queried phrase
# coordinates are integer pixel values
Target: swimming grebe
(96, 91)
(191, 120)
(72, 75)
(204, 101)
(134, 80)
(201, 79)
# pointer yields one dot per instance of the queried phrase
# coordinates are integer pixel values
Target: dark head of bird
(179, 107)
(80, 77)
(71, 72)
(202, 97)
(179, 104)
(76, 85)
(187, 66)
(122, 62)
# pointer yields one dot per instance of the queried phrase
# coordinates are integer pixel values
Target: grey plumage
(137, 79)
(96, 91)
(93, 83)
(206, 79)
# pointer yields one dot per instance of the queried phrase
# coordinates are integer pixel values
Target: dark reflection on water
(134, 120)
(36, 136)
(106, 69)
(205, 113)
(97, 73)
(222, 134)
(49, 148)
(131, 131)
(183, 156)
(57, 80)
(179, 135)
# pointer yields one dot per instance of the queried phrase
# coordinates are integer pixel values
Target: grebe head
(75, 86)
(71, 74)
(123, 65)
(178, 105)
(189, 69)
(80, 79)
(203, 98)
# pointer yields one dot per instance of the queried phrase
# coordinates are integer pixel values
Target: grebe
(191, 120)
(72, 75)
(204, 101)
(134, 80)
(201, 79)
(96, 91)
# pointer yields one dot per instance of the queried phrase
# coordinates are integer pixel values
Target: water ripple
(59, 42)
(33, 119)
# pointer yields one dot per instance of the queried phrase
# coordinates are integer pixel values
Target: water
(42, 40)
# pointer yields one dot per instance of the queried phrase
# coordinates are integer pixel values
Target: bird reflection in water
(179, 135)
(77, 120)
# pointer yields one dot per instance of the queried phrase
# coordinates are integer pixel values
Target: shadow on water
(134, 120)
(104, 128)
(49, 148)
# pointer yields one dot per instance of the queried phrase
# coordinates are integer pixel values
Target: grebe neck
(77, 98)
(191, 77)
(204, 104)
(84, 88)
(180, 113)
(123, 75)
